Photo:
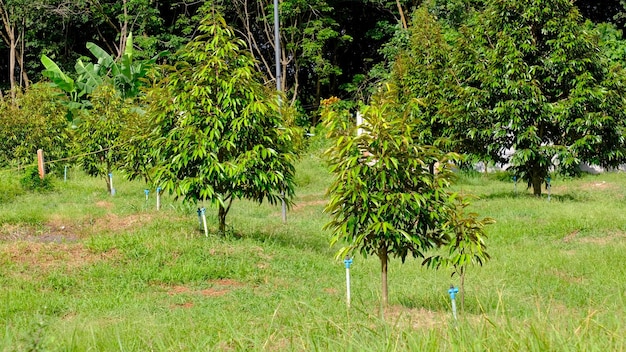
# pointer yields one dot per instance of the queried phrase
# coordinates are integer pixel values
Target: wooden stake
(40, 164)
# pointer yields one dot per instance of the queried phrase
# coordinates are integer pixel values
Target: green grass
(84, 271)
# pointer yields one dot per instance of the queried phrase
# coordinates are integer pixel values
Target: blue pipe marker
(452, 292)
(158, 198)
(111, 184)
(515, 182)
(200, 218)
(206, 230)
(347, 261)
(146, 192)
(548, 186)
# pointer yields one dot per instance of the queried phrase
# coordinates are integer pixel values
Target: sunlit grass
(83, 270)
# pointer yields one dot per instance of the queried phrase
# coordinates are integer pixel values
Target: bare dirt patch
(331, 291)
(59, 230)
(570, 237)
(602, 185)
(568, 277)
(417, 318)
(185, 305)
(52, 255)
(604, 240)
(574, 237)
(115, 223)
(104, 204)
(52, 232)
(302, 205)
(217, 288)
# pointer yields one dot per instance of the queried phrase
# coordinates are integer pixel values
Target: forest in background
(329, 47)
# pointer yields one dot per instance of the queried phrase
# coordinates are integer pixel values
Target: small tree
(385, 200)
(219, 133)
(467, 244)
(33, 120)
(99, 135)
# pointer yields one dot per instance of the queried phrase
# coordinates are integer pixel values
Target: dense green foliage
(525, 85)
(385, 199)
(219, 132)
(100, 137)
(35, 120)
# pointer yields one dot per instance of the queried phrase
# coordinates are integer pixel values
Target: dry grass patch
(46, 256)
(217, 288)
(416, 318)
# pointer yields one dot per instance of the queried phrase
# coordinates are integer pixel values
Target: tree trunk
(462, 291)
(107, 178)
(384, 259)
(221, 215)
(12, 45)
(536, 183)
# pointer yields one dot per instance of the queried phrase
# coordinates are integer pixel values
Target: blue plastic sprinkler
(548, 186)
(452, 292)
(347, 261)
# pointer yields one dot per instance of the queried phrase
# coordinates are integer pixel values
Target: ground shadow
(568, 197)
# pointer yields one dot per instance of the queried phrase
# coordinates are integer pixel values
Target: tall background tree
(524, 85)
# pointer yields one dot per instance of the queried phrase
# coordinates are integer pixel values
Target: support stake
(40, 164)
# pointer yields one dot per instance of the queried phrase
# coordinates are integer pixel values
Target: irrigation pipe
(158, 198)
(452, 292)
(347, 261)
(206, 230)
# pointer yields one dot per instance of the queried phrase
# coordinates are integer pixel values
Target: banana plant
(124, 74)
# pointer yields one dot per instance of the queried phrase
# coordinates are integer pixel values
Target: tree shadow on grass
(442, 304)
(283, 239)
(568, 197)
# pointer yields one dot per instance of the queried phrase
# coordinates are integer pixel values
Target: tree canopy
(524, 85)
(384, 200)
(219, 134)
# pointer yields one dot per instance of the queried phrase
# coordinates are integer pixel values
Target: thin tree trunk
(24, 82)
(123, 31)
(221, 215)
(462, 275)
(108, 179)
(402, 18)
(536, 183)
(384, 260)
(9, 38)
(12, 63)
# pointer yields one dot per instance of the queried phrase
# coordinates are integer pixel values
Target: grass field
(84, 271)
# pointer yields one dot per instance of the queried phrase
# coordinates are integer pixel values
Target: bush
(32, 182)
(9, 187)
